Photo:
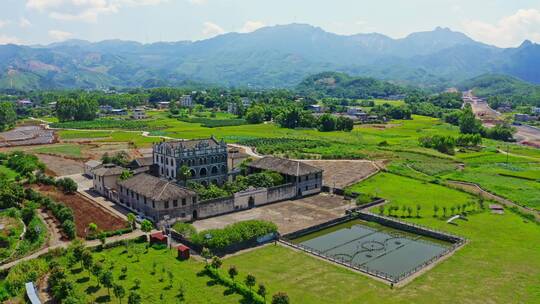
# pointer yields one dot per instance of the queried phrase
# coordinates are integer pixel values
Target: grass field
(9, 235)
(396, 141)
(71, 150)
(480, 272)
(154, 287)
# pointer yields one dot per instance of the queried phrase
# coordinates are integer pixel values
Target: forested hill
(340, 85)
(271, 57)
(511, 89)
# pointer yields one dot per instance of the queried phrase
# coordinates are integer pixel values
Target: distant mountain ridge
(277, 56)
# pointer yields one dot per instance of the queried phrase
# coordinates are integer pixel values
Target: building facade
(307, 179)
(186, 101)
(158, 199)
(206, 159)
(138, 114)
(105, 179)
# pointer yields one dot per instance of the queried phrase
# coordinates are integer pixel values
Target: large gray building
(306, 178)
(157, 198)
(206, 158)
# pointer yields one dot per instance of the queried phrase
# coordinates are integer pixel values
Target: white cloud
(24, 23)
(508, 31)
(84, 10)
(4, 23)
(43, 4)
(251, 26)
(59, 35)
(9, 40)
(198, 2)
(211, 29)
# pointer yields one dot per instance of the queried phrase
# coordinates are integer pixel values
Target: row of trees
(8, 116)
(447, 144)
(250, 281)
(81, 108)
(468, 124)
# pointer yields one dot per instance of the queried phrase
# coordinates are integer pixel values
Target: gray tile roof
(193, 143)
(284, 166)
(155, 188)
(144, 161)
(108, 170)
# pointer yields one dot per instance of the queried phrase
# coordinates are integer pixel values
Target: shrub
(218, 239)
(185, 229)
(238, 287)
(67, 185)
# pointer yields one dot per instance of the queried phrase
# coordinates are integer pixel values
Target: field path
(476, 189)
(93, 243)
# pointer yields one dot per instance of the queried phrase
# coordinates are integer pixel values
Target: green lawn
(404, 191)
(152, 290)
(61, 150)
(494, 267)
(396, 141)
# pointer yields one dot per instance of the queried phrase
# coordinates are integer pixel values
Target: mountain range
(277, 56)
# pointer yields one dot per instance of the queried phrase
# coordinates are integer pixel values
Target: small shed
(183, 252)
(497, 209)
(158, 238)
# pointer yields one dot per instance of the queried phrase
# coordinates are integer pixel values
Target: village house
(138, 113)
(163, 105)
(306, 178)
(90, 166)
(186, 101)
(206, 159)
(105, 179)
(157, 198)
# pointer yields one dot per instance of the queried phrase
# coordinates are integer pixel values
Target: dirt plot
(84, 210)
(26, 136)
(289, 216)
(60, 166)
(343, 173)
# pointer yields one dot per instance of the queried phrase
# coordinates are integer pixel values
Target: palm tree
(233, 272)
(205, 253)
(119, 292)
(250, 281)
(418, 208)
(444, 211)
(403, 209)
(262, 291)
(184, 173)
(435, 210)
(280, 298)
(409, 211)
(453, 210)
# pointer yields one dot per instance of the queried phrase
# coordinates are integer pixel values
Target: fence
(367, 216)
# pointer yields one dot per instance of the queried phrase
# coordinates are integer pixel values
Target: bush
(185, 229)
(232, 234)
(67, 185)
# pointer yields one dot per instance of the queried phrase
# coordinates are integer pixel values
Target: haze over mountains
(278, 56)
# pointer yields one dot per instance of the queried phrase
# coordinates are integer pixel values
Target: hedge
(217, 239)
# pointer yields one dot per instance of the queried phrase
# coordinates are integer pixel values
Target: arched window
(193, 174)
(203, 172)
(214, 170)
(223, 169)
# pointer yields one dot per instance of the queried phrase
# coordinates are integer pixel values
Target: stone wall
(281, 193)
(215, 207)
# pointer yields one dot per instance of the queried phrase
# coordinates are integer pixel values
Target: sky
(502, 23)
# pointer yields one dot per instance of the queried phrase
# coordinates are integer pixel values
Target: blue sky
(499, 22)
